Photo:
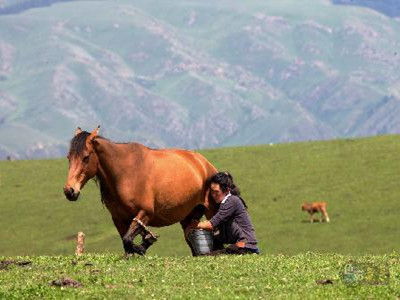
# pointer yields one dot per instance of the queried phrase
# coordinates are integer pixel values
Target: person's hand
(205, 225)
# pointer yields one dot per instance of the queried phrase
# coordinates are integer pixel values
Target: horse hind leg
(326, 216)
(185, 223)
(195, 216)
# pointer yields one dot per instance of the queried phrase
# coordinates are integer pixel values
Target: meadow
(359, 179)
(108, 276)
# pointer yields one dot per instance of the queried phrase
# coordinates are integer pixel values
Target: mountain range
(196, 74)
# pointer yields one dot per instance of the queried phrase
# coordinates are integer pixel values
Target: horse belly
(169, 217)
(180, 186)
(174, 208)
(159, 221)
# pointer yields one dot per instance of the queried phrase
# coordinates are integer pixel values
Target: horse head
(305, 206)
(83, 162)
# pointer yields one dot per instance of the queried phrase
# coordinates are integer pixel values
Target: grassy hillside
(305, 276)
(159, 71)
(358, 178)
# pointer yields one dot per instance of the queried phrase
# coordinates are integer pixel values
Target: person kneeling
(231, 224)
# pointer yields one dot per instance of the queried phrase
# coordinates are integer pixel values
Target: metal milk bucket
(202, 241)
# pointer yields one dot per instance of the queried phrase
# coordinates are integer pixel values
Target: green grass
(226, 277)
(359, 179)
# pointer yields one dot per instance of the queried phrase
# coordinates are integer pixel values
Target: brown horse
(316, 207)
(141, 186)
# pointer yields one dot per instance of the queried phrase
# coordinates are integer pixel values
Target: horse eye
(86, 159)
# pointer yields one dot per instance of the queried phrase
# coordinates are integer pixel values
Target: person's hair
(225, 181)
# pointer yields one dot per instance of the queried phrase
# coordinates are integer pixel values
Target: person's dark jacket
(233, 215)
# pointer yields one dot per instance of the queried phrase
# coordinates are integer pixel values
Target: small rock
(69, 282)
(324, 281)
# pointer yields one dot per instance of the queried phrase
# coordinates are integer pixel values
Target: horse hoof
(128, 255)
(139, 249)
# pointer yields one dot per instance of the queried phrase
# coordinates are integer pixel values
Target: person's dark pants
(230, 233)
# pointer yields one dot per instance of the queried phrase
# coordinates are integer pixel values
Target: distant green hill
(194, 74)
(359, 179)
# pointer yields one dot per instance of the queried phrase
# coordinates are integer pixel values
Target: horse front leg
(122, 228)
(311, 217)
(138, 226)
(148, 237)
(127, 240)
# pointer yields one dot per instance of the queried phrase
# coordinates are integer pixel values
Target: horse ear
(78, 130)
(94, 134)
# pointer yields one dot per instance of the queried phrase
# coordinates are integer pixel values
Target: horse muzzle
(71, 194)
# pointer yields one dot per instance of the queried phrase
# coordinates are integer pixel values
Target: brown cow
(315, 207)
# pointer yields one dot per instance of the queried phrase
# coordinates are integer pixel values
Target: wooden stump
(80, 244)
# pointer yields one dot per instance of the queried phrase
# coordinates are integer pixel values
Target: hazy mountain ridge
(390, 8)
(195, 75)
(8, 7)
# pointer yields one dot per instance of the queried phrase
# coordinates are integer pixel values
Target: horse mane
(78, 142)
(103, 191)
